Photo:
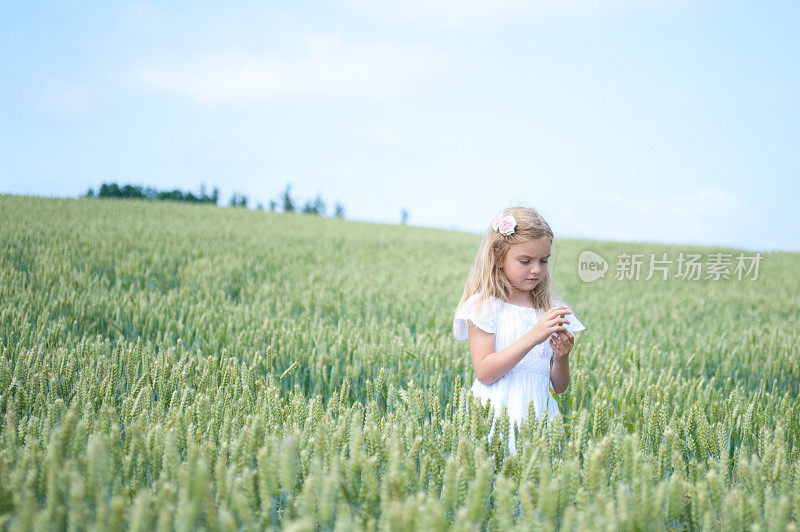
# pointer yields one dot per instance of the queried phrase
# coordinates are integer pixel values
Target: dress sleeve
(574, 324)
(483, 316)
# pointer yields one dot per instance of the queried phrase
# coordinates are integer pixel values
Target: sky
(635, 120)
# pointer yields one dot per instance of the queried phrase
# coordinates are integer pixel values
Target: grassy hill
(173, 366)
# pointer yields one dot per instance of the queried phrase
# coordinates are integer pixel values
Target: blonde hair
(487, 280)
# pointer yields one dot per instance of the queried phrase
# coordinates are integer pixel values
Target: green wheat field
(167, 366)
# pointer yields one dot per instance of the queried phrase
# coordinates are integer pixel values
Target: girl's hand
(549, 323)
(562, 344)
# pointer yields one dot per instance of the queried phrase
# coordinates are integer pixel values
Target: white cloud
(466, 13)
(705, 216)
(447, 12)
(63, 100)
(328, 67)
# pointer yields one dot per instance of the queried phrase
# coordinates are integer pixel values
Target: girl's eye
(525, 261)
(544, 261)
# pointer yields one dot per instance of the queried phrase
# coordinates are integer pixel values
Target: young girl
(519, 335)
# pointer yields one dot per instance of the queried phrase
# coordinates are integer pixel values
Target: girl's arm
(559, 362)
(559, 373)
(490, 365)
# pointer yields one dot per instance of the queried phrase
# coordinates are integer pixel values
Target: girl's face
(525, 264)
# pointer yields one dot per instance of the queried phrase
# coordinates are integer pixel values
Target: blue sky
(661, 120)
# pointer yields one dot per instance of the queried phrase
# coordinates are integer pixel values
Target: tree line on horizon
(285, 200)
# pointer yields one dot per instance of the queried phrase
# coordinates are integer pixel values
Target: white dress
(529, 380)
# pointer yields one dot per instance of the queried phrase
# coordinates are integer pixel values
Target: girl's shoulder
(478, 309)
(483, 301)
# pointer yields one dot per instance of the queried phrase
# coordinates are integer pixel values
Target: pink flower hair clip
(504, 224)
